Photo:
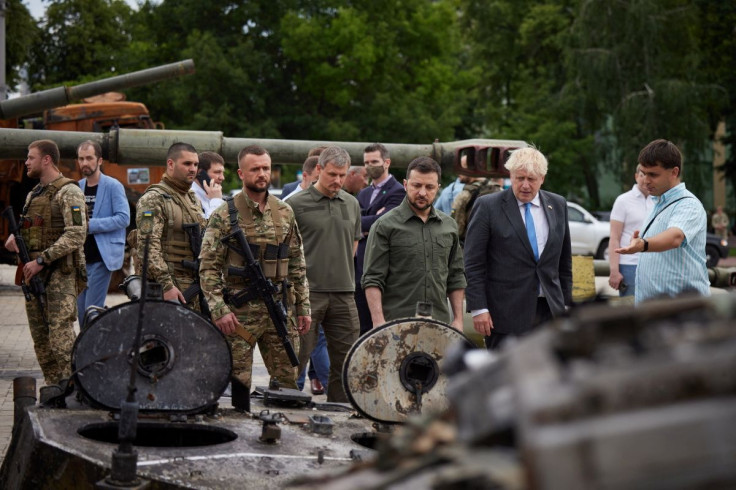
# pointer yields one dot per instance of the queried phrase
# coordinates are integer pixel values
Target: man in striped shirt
(673, 239)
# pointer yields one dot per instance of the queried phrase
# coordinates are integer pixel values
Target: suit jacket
(289, 188)
(500, 267)
(390, 196)
(110, 218)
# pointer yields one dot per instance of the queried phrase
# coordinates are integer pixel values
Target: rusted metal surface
(384, 366)
(146, 147)
(171, 375)
(52, 454)
(59, 96)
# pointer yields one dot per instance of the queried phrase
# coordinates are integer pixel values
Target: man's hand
(212, 191)
(614, 280)
(10, 244)
(483, 324)
(303, 323)
(378, 320)
(31, 269)
(227, 323)
(457, 324)
(380, 211)
(636, 245)
(174, 294)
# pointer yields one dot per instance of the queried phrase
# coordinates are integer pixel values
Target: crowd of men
(344, 255)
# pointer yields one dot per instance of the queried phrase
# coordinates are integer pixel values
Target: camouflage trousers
(53, 344)
(255, 319)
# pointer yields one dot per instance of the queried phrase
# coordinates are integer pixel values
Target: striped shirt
(680, 269)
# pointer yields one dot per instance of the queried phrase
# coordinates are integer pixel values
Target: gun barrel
(147, 147)
(60, 96)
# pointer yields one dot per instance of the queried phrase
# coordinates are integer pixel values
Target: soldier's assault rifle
(35, 288)
(194, 232)
(262, 288)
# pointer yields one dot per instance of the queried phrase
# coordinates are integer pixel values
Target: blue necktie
(530, 231)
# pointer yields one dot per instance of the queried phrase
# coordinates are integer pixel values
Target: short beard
(254, 188)
(420, 208)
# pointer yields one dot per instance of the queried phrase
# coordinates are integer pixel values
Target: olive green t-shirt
(329, 228)
(412, 261)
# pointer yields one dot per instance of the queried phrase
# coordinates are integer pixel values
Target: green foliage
(21, 32)
(81, 39)
(590, 82)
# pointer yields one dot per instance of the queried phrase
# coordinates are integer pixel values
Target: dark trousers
(364, 313)
(542, 315)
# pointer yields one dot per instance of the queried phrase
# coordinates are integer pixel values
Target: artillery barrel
(149, 147)
(60, 96)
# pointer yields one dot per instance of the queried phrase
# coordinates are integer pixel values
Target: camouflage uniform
(253, 315)
(462, 206)
(54, 225)
(160, 213)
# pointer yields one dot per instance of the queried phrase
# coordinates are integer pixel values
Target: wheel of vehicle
(712, 257)
(602, 253)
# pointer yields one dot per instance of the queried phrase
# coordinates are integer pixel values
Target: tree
(81, 40)
(21, 31)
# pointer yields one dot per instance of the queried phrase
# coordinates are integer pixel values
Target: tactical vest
(42, 224)
(271, 253)
(174, 240)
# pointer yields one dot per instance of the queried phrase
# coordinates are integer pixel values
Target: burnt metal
(240, 395)
(270, 431)
(419, 371)
(59, 96)
(395, 370)
(170, 375)
(157, 434)
(24, 395)
(283, 397)
(321, 424)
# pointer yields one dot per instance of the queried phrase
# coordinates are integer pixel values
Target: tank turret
(137, 146)
(60, 96)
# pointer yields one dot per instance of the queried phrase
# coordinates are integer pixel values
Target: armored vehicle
(100, 111)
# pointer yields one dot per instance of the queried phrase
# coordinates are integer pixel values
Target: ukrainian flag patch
(146, 224)
(76, 216)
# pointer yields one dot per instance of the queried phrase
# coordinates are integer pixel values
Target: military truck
(101, 111)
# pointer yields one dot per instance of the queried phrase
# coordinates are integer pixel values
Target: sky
(38, 7)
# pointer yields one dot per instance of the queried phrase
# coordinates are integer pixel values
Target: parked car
(588, 235)
(716, 248)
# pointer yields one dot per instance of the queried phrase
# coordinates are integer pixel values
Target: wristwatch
(646, 244)
(40, 261)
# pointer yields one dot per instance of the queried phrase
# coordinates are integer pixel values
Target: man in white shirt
(628, 214)
(208, 184)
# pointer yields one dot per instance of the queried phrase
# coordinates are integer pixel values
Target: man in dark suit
(518, 261)
(384, 194)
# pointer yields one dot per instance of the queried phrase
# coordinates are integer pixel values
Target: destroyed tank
(177, 422)
(99, 110)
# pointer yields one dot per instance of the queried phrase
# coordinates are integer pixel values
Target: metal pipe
(149, 147)
(61, 96)
(24, 395)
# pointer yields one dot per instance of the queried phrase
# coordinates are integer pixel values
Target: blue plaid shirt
(683, 268)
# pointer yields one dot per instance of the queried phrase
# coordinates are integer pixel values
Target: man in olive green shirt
(413, 254)
(329, 222)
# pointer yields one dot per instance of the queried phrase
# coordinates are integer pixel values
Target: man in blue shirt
(673, 238)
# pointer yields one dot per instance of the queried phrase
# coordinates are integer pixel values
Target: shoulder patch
(146, 224)
(76, 216)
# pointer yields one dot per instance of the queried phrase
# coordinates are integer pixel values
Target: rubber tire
(712, 257)
(602, 250)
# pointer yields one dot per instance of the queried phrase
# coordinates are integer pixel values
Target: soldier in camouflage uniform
(161, 214)
(462, 206)
(53, 225)
(266, 221)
